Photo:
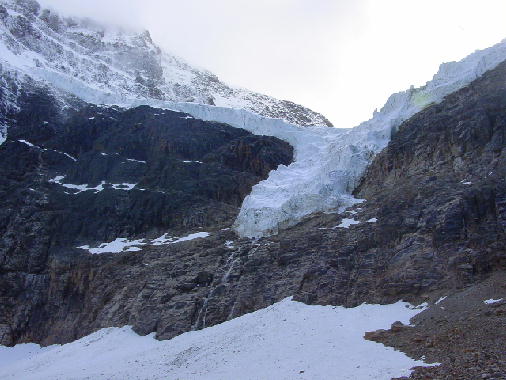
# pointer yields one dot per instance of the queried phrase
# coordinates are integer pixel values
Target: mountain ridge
(114, 66)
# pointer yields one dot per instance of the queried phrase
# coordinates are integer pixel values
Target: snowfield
(288, 340)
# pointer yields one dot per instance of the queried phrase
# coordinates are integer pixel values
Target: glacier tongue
(329, 162)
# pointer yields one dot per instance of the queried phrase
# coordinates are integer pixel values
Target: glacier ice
(106, 64)
(328, 161)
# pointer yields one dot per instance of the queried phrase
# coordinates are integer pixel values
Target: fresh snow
(288, 340)
(491, 301)
(347, 222)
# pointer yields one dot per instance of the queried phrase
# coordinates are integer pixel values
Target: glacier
(328, 162)
(107, 64)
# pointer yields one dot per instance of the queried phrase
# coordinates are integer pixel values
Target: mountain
(106, 65)
(124, 206)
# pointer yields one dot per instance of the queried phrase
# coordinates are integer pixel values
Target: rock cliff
(433, 219)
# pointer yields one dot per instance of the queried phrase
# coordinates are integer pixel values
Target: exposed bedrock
(88, 175)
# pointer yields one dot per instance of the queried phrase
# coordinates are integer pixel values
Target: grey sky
(342, 58)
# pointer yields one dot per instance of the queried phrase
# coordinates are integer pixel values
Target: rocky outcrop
(89, 175)
(461, 332)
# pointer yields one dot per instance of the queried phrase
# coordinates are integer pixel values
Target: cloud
(340, 57)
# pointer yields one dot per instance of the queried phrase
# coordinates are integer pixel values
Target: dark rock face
(144, 172)
(437, 191)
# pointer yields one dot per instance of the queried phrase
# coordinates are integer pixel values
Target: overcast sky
(342, 58)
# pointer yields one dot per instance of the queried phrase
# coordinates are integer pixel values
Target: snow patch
(372, 220)
(162, 240)
(288, 340)
(96, 189)
(347, 222)
(26, 142)
(166, 239)
(440, 300)
(134, 160)
(3, 133)
(197, 235)
(44, 149)
(492, 301)
(116, 246)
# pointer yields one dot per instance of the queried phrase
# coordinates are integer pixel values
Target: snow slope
(288, 340)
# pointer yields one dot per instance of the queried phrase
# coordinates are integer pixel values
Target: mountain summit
(110, 65)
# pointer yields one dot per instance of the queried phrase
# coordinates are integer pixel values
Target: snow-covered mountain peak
(112, 65)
